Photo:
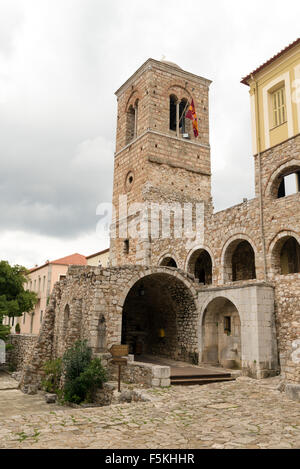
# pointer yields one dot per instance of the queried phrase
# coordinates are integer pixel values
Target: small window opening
(289, 185)
(278, 104)
(126, 246)
(227, 324)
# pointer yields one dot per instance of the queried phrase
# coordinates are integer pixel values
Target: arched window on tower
(131, 122)
(178, 110)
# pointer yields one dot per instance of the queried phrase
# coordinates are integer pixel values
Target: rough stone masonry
(230, 299)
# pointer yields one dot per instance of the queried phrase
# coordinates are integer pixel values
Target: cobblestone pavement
(241, 414)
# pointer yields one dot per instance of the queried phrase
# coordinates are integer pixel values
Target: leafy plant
(83, 376)
(14, 299)
(53, 371)
(93, 378)
(4, 332)
(18, 328)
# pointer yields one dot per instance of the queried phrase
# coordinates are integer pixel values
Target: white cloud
(60, 63)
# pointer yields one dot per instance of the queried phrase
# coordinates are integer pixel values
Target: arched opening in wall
(221, 334)
(66, 320)
(239, 261)
(131, 122)
(286, 183)
(286, 256)
(160, 318)
(168, 262)
(200, 265)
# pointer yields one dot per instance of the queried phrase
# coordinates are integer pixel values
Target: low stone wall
(19, 355)
(142, 373)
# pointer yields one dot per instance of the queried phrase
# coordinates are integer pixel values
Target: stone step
(182, 375)
(196, 380)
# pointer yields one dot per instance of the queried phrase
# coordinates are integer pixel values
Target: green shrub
(83, 376)
(4, 332)
(76, 359)
(18, 328)
(53, 371)
(93, 378)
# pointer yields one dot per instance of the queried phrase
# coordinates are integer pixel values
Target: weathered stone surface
(50, 398)
(239, 280)
(243, 414)
(293, 391)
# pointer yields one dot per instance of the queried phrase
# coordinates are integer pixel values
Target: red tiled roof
(74, 259)
(283, 51)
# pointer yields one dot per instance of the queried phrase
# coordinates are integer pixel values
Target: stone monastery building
(229, 295)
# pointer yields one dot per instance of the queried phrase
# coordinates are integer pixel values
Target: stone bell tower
(157, 158)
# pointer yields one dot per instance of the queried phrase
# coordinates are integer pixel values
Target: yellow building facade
(98, 259)
(275, 99)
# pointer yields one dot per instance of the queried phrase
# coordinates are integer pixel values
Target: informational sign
(119, 351)
(2, 351)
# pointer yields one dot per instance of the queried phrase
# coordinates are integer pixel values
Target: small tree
(14, 300)
(52, 370)
(4, 332)
(83, 376)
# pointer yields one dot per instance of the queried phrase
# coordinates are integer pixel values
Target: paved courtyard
(241, 414)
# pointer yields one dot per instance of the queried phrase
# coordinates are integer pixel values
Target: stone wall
(142, 373)
(91, 297)
(23, 345)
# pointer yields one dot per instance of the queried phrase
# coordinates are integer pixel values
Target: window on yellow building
(278, 106)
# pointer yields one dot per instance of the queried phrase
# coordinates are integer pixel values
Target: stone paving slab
(242, 414)
(6, 382)
(13, 402)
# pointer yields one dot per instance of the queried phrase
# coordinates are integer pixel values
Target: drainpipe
(261, 208)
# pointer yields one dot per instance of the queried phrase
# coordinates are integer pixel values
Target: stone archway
(221, 334)
(200, 264)
(159, 317)
(284, 253)
(239, 259)
(168, 261)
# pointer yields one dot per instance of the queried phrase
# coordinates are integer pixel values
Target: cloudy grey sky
(60, 63)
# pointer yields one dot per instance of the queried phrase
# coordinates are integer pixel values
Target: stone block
(165, 382)
(50, 398)
(155, 382)
(293, 391)
(161, 372)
